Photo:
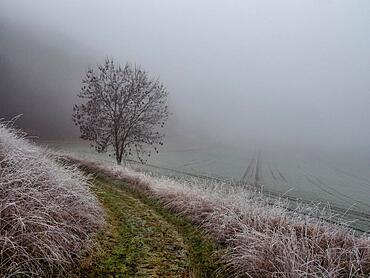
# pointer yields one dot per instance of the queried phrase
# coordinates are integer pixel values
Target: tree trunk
(120, 156)
(119, 159)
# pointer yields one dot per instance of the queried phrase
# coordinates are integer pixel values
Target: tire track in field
(249, 171)
(329, 189)
(277, 175)
(364, 182)
(253, 174)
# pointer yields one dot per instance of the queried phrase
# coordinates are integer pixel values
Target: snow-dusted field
(264, 237)
(339, 180)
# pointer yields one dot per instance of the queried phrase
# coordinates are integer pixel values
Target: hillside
(48, 213)
(53, 218)
(263, 237)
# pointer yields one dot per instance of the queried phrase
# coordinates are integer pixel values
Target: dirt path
(145, 240)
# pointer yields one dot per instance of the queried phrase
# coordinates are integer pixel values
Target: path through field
(145, 240)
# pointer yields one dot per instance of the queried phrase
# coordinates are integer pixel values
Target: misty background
(282, 73)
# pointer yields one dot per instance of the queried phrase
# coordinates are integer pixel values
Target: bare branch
(123, 108)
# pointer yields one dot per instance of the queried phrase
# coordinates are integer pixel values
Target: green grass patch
(143, 239)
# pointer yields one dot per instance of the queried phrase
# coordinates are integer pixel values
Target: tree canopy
(121, 107)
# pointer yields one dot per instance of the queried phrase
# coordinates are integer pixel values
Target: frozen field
(341, 181)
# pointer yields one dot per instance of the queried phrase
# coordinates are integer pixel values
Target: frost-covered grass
(264, 237)
(47, 212)
(143, 239)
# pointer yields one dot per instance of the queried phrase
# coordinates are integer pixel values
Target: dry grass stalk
(264, 238)
(47, 212)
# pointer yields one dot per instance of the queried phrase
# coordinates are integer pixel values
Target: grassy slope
(144, 239)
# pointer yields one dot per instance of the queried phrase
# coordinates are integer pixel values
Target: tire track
(330, 190)
(253, 174)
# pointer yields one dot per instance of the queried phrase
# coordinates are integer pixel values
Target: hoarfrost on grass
(47, 211)
(263, 236)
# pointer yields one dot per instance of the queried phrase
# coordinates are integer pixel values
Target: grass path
(142, 239)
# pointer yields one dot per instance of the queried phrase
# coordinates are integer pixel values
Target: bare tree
(123, 108)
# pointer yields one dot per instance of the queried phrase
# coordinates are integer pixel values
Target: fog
(283, 73)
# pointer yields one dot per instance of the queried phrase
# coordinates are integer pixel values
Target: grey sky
(273, 72)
